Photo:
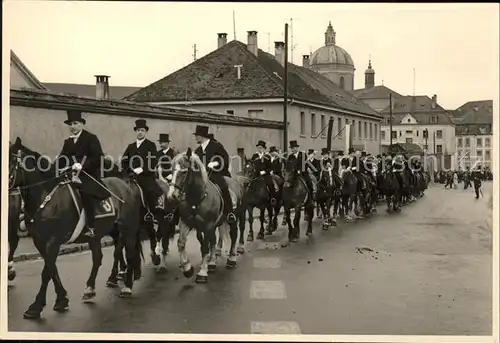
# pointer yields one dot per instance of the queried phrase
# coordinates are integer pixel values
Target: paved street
(425, 271)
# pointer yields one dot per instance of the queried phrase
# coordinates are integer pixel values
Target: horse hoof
(334, 223)
(325, 227)
(155, 259)
(284, 244)
(283, 222)
(188, 273)
(374, 210)
(88, 296)
(250, 238)
(61, 305)
(125, 292)
(121, 274)
(309, 234)
(269, 232)
(260, 236)
(230, 264)
(294, 240)
(32, 314)
(218, 252)
(201, 279)
(12, 275)
(240, 250)
(212, 268)
(112, 283)
(161, 270)
(137, 274)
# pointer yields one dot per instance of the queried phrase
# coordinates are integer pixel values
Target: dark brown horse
(391, 188)
(52, 205)
(295, 196)
(349, 193)
(329, 185)
(200, 207)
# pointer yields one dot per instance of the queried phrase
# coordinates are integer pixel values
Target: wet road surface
(425, 271)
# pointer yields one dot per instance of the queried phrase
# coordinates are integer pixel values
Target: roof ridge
(25, 70)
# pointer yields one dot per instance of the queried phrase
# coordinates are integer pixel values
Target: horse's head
(249, 170)
(188, 173)
(289, 173)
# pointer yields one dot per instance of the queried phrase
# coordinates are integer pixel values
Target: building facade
(241, 80)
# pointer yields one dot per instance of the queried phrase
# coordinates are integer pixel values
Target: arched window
(342, 84)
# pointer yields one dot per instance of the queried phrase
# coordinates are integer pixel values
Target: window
(231, 112)
(382, 135)
(322, 122)
(479, 142)
(255, 113)
(487, 155)
(387, 120)
(371, 130)
(342, 83)
(313, 124)
(360, 131)
(433, 120)
(353, 131)
(340, 128)
(376, 132)
(483, 130)
(409, 140)
(439, 149)
(409, 132)
(409, 120)
(486, 142)
(400, 133)
(459, 142)
(394, 135)
(417, 133)
(479, 153)
(467, 142)
(302, 123)
(366, 129)
(439, 134)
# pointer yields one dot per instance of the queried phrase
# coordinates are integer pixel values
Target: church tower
(369, 76)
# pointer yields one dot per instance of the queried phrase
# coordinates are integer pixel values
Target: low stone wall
(37, 118)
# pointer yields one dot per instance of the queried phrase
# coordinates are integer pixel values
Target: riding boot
(89, 207)
(228, 204)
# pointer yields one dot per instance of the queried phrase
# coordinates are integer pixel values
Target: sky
(453, 47)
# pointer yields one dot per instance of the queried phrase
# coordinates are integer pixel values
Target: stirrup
(231, 218)
(273, 201)
(169, 217)
(90, 233)
(148, 217)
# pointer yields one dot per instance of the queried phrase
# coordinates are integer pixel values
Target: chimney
(279, 52)
(102, 87)
(252, 42)
(222, 40)
(305, 61)
(434, 101)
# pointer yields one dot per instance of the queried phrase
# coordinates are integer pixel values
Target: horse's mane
(47, 168)
(196, 159)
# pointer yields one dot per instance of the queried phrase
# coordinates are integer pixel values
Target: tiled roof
(115, 92)
(15, 60)
(474, 106)
(214, 77)
(420, 108)
(475, 118)
(377, 92)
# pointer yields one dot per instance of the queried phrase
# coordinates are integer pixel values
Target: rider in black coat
(262, 163)
(298, 157)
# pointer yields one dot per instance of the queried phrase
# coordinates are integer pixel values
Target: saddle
(232, 194)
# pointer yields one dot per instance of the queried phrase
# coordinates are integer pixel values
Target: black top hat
(294, 144)
(141, 124)
(262, 144)
(273, 149)
(74, 115)
(310, 151)
(325, 151)
(201, 130)
(351, 150)
(240, 149)
(363, 153)
(164, 138)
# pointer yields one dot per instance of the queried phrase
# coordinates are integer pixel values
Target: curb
(65, 250)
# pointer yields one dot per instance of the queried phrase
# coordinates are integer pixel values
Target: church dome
(331, 53)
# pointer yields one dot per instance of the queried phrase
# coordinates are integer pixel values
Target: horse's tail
(224, 234)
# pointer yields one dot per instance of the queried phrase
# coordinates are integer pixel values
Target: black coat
(165, 161)
(277, 166)
(143, 157)
(261, 164)
(314, 166)
(215, 152)
(88, 152)
(299, 160)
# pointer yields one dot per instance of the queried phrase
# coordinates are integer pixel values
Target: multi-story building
(242, 80)
(474, 133)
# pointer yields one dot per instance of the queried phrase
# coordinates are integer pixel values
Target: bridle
(183, 186)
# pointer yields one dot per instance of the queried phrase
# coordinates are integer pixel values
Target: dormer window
(433, 120)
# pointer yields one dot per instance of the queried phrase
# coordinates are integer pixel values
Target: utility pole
(390, 122)
(234, 26)
(194, 52)
(285, 98)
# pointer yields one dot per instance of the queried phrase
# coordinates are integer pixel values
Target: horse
(14, 222)
(391, 189)
(52, 205)
(200, 207)
(349, 193)
(257, 195)
(327, 189)
(296, 195)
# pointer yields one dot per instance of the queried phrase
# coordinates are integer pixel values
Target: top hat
(325, 151)
(262, 144)
(310, 151)
(351, 150)
(240, 149)
(363, 153)
(74, 115)
(202, 131)
(164, 138)
(294, 144)
(273, 149)
(141, 124)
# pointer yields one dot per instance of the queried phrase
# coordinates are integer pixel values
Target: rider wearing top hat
(325, 157)
(140, 158)
(276, 162)
(298, 157)
(216, 159)
(83, 153)
(164, 157)
(262, 163)
(476, 179)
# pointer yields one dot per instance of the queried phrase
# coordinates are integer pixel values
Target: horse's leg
(212, 258)
(269, 230)
(163, 240)
(117, 255)
(250, 237)
(62, 301)
(276, 211)
(310, 214)
(204, 239)
(296, 224)
(49, 251)
(133, 253)
(289, 223)
(241, 224)
(96, 250)
(260, 235)
(150, 230)
(13, 243)
(187, 268)
(233, 232)
(319, 210)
